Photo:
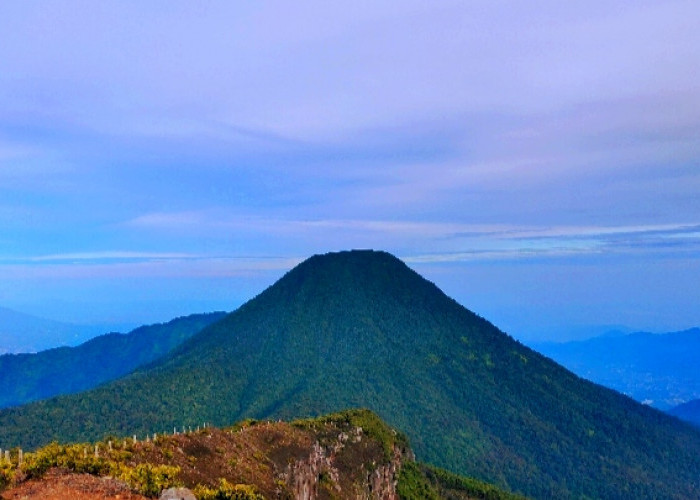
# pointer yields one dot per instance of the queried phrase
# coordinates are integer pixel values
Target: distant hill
(361, 329)
(21, 332)
(658, 369)
(66, 370)
(352, 454)
(690, 411)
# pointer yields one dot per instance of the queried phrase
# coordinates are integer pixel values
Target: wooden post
(21, 456)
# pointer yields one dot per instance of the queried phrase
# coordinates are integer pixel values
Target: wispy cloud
(111, 256)
(216, 219)
(136, 265)
(434, 241)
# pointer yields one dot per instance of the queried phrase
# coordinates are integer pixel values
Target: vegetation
(66, 370)
(147, 479)
(453, 486)
(227, 491)
(357, 438)
(413, 485)
(661, 369)
(114, 459)
(360, 329)
(372, 426)
(425, 482)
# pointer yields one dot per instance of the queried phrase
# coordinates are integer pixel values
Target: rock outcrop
(326, 468)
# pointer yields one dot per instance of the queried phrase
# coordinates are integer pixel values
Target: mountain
(658, 369)
(65, 370)
(361, 329)
(21, 332)
(690, 411)
(351, 454)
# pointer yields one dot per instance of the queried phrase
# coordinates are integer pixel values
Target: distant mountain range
(657, 369)
(21, 332)
(66, 370)
(690, 412)
(361, 329)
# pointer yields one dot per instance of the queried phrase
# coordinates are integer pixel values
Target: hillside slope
(360, 329)
(659, 369)
(66, 370)
(347, 455)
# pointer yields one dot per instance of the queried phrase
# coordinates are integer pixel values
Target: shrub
(227, 491)
(148, 479)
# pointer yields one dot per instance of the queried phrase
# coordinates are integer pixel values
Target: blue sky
(539, 161)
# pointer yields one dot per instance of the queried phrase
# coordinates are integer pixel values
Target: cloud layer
(204, 141)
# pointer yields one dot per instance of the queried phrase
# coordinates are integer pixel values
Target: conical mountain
(361, 329)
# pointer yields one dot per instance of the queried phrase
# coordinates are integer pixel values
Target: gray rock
(177, 494)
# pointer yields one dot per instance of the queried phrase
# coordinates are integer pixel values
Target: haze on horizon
(540, 163)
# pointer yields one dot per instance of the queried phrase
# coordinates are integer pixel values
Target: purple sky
(539, 161)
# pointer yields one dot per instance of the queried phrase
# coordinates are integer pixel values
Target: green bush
(75, 457)
(7, 473)
(413, 485)
(148, 479)
(227, 491)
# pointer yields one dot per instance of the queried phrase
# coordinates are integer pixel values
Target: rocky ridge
(347, 455)
(350, 455)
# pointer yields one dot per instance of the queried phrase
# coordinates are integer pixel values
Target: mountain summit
(361, 329)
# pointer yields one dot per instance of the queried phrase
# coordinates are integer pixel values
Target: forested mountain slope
(658, 369)
(65, 370)
(361, 329)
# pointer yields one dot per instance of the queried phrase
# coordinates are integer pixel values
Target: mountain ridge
(361, 329)
(688, 411)
(349, 454)
(21, 332)
(29, 377)
(656, 368)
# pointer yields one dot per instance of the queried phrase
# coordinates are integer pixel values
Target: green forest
(361, 329)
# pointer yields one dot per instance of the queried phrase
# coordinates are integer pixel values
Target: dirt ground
(63, 485)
